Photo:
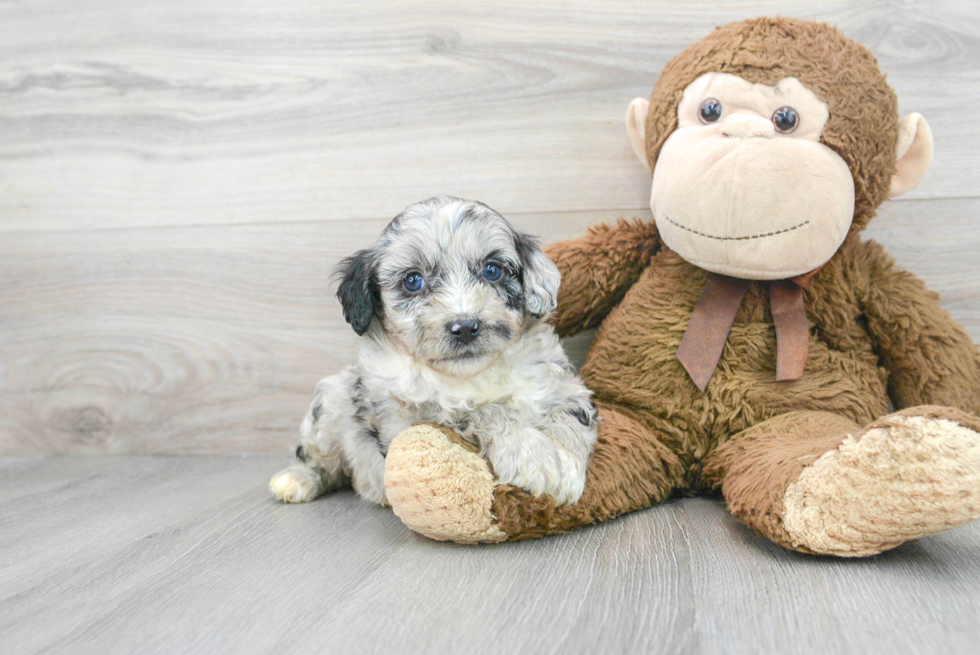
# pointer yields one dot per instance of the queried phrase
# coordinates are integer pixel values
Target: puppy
(451, 301)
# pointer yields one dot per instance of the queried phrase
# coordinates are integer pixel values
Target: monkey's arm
(598, 269)
(929, 356)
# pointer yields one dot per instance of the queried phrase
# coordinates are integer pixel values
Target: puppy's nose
(464, 330)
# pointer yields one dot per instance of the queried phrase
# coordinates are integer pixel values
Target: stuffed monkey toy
(749, 343)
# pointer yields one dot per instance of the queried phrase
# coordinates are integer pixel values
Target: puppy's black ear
(358, 290)
(539, 275)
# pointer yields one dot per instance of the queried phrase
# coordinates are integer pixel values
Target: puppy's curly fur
(451, 300)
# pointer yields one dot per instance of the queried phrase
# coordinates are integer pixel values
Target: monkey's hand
(598, 269)
(929, 356)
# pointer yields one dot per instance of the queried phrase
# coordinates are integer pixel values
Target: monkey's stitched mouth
(745, 238)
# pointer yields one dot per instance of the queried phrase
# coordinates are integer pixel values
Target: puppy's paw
(572, 478)
(296, 484)
(370, 484)
(535, 464)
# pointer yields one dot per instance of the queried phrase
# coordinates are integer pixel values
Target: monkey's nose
(464, 330)
(744, 126)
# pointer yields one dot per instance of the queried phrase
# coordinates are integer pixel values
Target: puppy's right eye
(414, 282)
(492, 272)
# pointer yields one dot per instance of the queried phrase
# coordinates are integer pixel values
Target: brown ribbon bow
(714, 314)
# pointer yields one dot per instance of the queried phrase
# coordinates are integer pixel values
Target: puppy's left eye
(492, 272)
(414, 282)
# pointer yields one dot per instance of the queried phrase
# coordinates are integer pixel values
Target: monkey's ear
(357, 289)
(539, 276)
(636, 127)
(914, 151)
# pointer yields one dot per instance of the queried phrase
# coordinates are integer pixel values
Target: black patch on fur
(301, 453)
(358, 397)
(509, 286)
(526, 246)
(500, 329)
(464, 216)
(361, 410)
(373, 432)
(585, 418)
(513, 292)
(358, 292)
(316, 412)
(394, 227)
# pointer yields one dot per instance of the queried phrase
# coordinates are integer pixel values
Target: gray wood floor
(191, 555)
(178, 178)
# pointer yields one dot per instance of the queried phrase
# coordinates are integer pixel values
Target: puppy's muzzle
(464, 330)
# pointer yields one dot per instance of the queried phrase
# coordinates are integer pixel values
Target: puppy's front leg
(574, 438)
(544, 462)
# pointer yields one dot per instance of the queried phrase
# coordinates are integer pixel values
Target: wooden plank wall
(178, 178)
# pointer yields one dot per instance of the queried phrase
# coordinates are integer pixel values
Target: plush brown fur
(877, 335)
(725, 438)
(755, 468)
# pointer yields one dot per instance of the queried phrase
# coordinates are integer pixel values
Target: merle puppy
(451, 301)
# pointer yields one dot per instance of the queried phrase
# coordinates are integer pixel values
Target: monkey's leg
(440, 487)
(818, 483)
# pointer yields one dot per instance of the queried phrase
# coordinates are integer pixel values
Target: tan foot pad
(913, 477)
(440, 489)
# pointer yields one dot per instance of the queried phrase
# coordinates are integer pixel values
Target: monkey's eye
(414, 282)
(710, 111)
(785, 119)
(492, 272)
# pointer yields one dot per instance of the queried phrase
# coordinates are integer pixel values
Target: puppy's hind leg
(298, 483)
(320, 467)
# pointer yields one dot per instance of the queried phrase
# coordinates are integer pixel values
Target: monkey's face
(744, 187)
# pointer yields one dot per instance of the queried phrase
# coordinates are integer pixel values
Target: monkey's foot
(440, 487)
(908, 475)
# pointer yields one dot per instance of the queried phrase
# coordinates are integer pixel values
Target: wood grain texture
(178, 179)
(191, 555)
(201, 112)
